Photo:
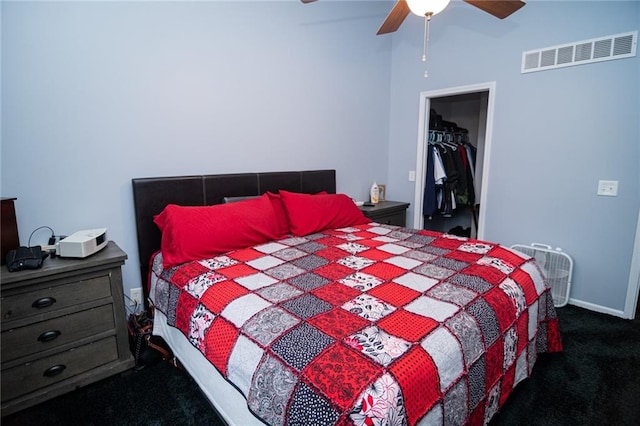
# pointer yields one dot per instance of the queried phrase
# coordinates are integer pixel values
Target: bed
(305, 312)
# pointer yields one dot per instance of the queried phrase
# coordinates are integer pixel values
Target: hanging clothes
(450, 183)
(470, 169)
(435, 178)
(449, 180)
(429, 196)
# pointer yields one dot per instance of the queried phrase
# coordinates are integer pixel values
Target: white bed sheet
(227, 400)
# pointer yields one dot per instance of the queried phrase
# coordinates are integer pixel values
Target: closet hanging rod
(446, 132)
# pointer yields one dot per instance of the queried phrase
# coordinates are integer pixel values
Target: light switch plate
(608, 188)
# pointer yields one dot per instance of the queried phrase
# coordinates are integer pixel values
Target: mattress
(368, 324)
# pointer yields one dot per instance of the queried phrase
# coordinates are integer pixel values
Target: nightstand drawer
(56, 332)
(32, 376)
(397, 219)
(62, 294)
(387, 212)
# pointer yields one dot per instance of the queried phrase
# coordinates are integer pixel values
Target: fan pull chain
(425, 46)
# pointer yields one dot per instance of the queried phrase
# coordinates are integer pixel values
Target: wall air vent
(617, 46)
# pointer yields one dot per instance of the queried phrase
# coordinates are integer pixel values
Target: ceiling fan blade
(308, 1)
(395, 18)
(498, 8)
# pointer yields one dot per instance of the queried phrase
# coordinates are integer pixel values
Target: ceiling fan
(426, 8)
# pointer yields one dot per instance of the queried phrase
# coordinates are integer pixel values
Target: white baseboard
(596, 308)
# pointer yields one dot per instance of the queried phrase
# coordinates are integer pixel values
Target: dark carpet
(595, 381)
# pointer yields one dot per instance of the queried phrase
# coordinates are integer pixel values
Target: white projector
(83, 243)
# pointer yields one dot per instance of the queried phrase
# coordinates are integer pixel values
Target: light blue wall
(556, 133)
(96, 93)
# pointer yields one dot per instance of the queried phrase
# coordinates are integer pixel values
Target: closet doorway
(472, 108)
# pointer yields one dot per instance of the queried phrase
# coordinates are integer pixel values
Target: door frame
(633, 288)
(423, 128)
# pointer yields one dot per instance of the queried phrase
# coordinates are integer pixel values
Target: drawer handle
(48, 336)
(44, 302)
(54, 370)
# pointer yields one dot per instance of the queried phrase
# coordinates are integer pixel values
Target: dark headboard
(151, 195)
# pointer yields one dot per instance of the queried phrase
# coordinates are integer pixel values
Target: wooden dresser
(9, 232)
(63, 326)
(387, 212)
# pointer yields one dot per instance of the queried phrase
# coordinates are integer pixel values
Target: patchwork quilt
(367, 325)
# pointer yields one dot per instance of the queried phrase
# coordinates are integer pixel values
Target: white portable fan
(557, 267)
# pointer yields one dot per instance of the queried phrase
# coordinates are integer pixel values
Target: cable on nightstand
(49, 249)
(51, 238)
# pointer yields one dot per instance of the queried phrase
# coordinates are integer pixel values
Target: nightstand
(63, 326)
(387, 212)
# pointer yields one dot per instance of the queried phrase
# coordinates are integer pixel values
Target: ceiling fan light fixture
(427, 7)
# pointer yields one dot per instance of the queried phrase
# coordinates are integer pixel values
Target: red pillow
(281, 214)
(313, 213)
(193, 233)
